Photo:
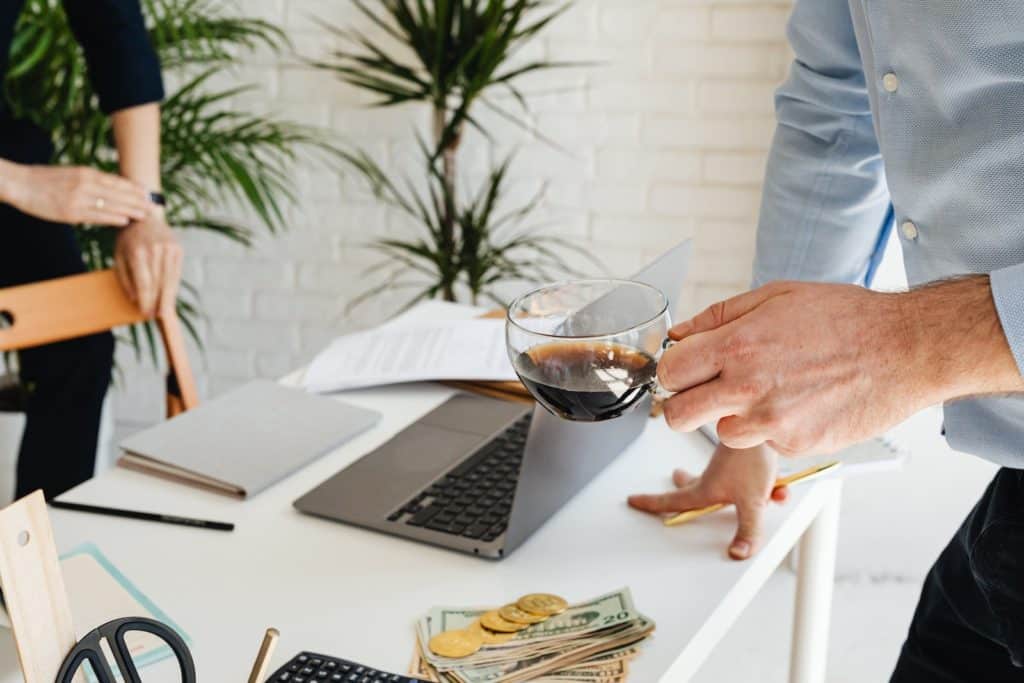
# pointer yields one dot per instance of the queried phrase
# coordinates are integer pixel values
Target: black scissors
(88, 649)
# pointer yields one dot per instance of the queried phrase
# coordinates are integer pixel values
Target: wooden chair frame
(79, 305)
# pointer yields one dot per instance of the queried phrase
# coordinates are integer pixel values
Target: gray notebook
(246, 440)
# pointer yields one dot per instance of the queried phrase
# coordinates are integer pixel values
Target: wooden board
(34, 591)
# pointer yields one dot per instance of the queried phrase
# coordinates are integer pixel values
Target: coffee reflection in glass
(588, 350)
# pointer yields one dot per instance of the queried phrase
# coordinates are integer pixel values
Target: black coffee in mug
(586, 381)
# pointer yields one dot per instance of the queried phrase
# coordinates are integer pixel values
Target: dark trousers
(67, 381)
(969, 623)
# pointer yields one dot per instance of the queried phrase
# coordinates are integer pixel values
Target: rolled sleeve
(1008, 294)
(825, 199)
(123, 66)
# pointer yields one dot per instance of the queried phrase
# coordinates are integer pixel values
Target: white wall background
(666, 139)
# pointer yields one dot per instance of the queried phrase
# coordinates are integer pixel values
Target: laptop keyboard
(473, 500)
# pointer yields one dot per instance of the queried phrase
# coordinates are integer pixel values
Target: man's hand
(73, 194)
(811, 367)
(744, 478)
(148, 260)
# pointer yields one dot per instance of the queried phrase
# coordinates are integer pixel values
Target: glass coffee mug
(587, 350)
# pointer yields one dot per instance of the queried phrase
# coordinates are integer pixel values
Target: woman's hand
(73, 194)
(744, 478)
(147, 259)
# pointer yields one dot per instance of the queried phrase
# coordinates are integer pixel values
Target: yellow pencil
(795, 478)
(262, 663)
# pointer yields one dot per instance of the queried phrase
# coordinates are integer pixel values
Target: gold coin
(492, 637)
(513, 613)
(542, 604)
(495, 622)
(457, 644)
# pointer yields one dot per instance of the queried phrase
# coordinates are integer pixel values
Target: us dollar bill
(591, 641)
(606, 611)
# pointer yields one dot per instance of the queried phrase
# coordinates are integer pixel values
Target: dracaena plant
(210, 153)
(456, 56)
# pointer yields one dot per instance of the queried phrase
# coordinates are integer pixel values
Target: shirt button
(909, 230)
(890, 82)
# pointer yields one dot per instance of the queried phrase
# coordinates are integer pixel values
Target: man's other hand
(744, 478)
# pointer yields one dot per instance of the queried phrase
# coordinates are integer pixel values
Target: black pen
(146, 516)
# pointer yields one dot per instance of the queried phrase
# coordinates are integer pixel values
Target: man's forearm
(137, 135)
(960, 347)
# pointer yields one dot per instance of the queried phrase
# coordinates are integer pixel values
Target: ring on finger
(100, 203)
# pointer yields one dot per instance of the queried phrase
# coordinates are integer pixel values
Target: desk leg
(817, 565)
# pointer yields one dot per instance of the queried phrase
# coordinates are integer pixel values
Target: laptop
(480, 475)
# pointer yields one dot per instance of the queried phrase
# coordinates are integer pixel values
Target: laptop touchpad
(382, 480)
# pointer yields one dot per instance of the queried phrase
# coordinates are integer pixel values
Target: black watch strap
(158, 198)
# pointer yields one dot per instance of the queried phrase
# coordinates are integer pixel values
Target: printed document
(472, 349)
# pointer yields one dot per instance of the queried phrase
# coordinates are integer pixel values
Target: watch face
(158, 198)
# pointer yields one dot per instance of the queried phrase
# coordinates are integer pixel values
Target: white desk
(354, 593)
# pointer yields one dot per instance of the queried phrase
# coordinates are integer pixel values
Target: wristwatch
(158, 198)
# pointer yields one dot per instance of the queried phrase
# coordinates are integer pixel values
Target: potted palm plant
(457, 56)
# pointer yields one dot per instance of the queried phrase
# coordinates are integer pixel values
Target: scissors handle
(89, 649)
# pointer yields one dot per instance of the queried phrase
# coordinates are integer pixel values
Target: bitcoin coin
(494, 621)
(542, 604)
(513, 613)
(457, 644)
(492, 637)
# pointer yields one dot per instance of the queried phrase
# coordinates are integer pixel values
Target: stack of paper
(413, 350)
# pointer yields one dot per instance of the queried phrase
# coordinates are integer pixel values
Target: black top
(123, 66)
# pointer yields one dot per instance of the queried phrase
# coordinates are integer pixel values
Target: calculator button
(306, 670)
(285, 677)
(331, 664)
(317, 662)
(337, 677)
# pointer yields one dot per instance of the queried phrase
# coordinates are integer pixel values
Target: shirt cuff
(1008, 293)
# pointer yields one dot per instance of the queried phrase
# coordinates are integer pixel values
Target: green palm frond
(455, 52)
(490, 248)
(452, 54)
(196, 32)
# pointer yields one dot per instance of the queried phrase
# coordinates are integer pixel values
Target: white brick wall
(666, 138)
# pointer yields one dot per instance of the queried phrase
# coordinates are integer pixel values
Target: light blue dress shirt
(906, 113)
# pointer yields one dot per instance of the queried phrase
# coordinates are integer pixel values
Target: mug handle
(659, 392)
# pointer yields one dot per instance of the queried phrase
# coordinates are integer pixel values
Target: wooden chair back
(80, 305)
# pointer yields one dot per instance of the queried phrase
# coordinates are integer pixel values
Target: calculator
(309, 667)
